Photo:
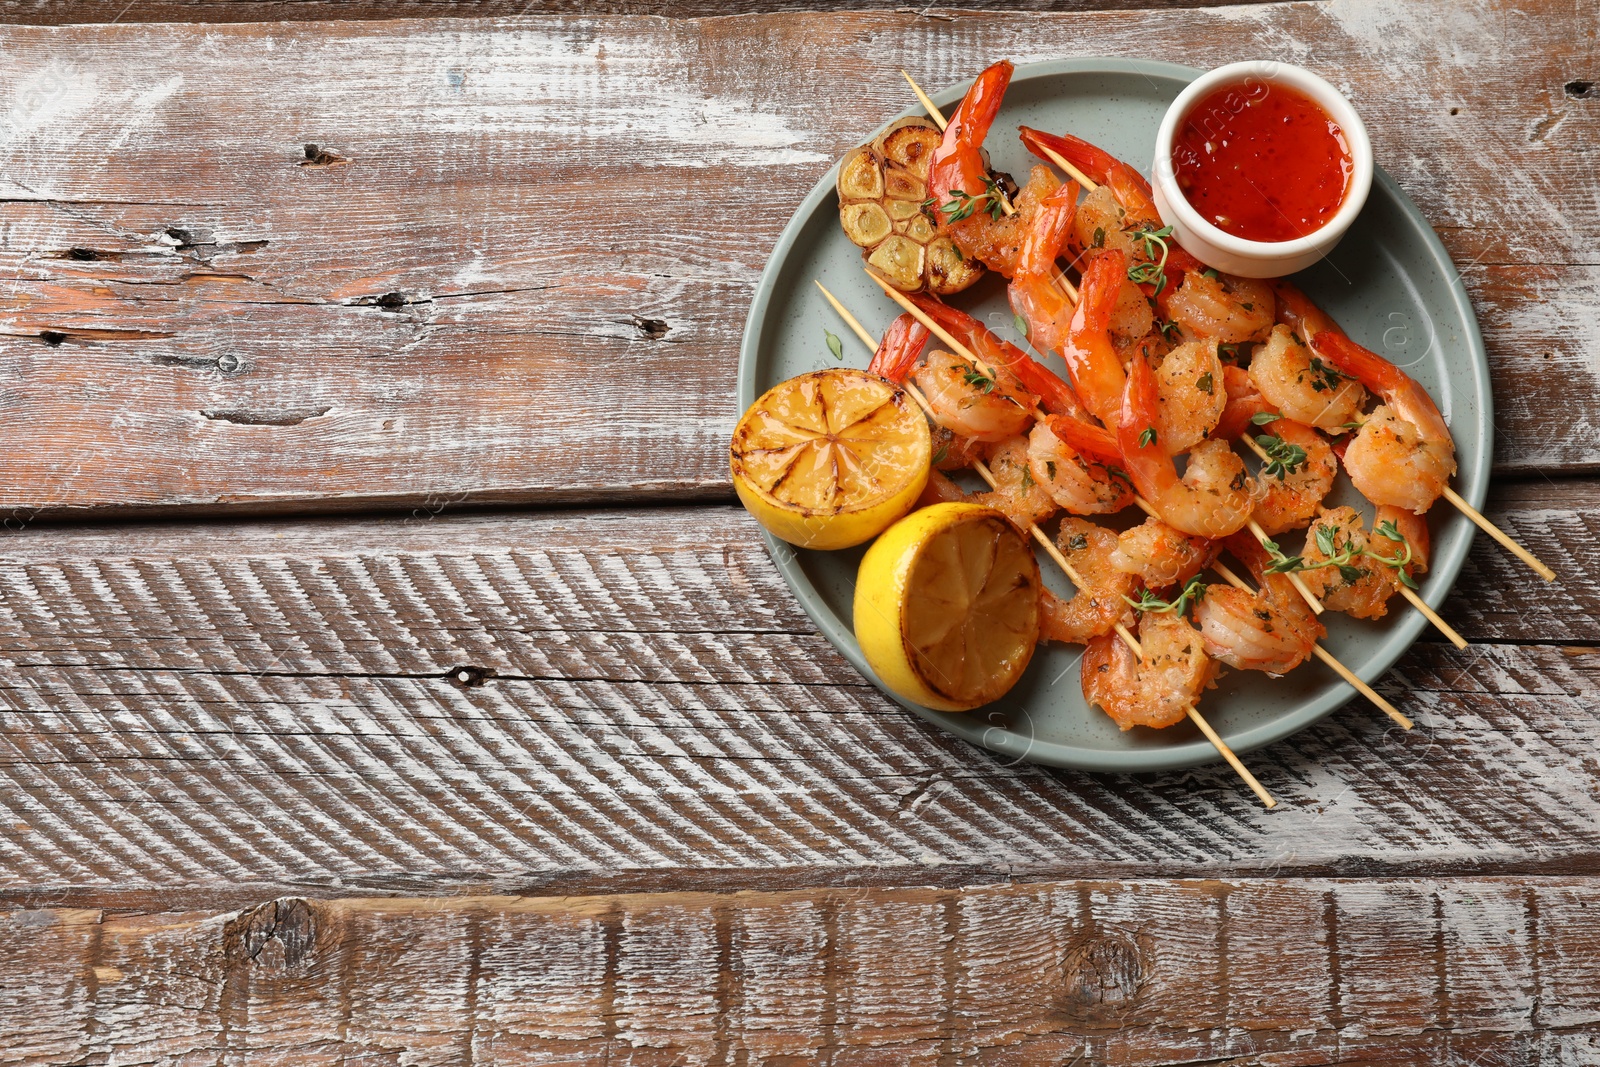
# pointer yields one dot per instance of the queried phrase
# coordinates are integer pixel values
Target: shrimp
(1403, 454)
(898, 351)
(1215, 495)
(1092, 362)
(1159, 555)
(1220, 307)
(1016, 493)
(1099, 604)
(1190, 394)
(1413, 530)
(1361, 587)
(1302, 470)
(1244, 404)
(1128, 188)
(952, 452)
(1270, 630)
(1054, 394)
(1296, 311)
(1160, 686)
(970, 403)
(1074, 478)
(968, 194)
(1297, 382)
(940, 490)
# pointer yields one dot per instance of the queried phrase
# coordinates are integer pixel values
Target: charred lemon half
(830, 459)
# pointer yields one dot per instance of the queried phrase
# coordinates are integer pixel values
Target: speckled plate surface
(1390, 284)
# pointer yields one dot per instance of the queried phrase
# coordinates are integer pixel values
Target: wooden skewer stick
(1294, 579)
(1498, 534)
(1327, 657)
(1040, 536)
(928, 105)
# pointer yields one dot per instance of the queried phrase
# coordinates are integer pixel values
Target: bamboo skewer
(1327, 657)
(1072, 573)
(1498, 534)
(1460, 503)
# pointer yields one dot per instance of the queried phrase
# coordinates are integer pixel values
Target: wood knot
(317, 156)
(279, 934)
(1581, 90)
(650, 329)
(465, 677)
(1101, 977)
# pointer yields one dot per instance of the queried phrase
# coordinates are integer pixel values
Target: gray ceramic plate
(1390, 284)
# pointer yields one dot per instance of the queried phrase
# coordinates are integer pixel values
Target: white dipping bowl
(1235, 255)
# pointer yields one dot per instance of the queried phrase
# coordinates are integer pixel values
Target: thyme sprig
(1193, 591)
(1283, 458)
(962, 204)
(976, 378)
(1389, 530)
(1327, 541)
(1154, 269)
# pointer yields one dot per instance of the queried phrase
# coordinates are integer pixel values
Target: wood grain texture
(1408, 972)
(64, 12)
(283, 703)
(514, 261)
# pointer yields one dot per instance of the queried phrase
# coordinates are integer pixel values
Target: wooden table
(387, 677)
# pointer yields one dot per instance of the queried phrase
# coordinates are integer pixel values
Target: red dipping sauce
(1262, 162)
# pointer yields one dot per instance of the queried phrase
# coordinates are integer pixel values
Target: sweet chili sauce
(1262, 162)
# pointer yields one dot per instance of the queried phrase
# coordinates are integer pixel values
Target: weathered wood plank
(1410, 972)
(277, 702)
(485, 285)
(66, 12)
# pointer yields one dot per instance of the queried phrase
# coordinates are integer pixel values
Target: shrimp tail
(1296, 311)
(1094, 162)
(1243, 547)
(1396, 387)
(1092, 362)
(899, 349)
(958, 162)
(1096, 441)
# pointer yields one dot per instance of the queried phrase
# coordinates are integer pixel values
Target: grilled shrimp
(1222, 308)
(1159, 555)
(967, 193)
(1054, 394)
(897, 353)
(1191, 395)
(968, 402)
(1244, 404)
(1301, 384)
(1075, 477)
(1135, 207)
(1098, 605)
(1015, 491)
(1155, 689)
(1297, 479)
(1092, 361)
(1362, 587)
(1214, 497)
(1270, 630)
(1403, 454)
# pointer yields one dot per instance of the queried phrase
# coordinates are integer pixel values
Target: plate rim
(1472, 484)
